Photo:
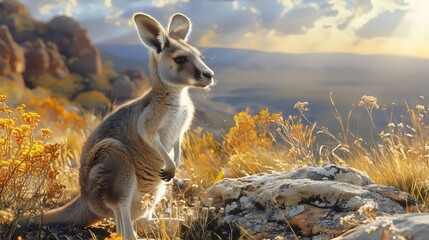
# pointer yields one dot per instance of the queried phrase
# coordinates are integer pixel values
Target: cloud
(274, 25)
(163, 3)
(48, 8)
(383, 25)
(107, 3)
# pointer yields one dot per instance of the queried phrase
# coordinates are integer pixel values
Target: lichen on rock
(321, 202)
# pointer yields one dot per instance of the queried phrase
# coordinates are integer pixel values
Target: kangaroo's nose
(208, 74)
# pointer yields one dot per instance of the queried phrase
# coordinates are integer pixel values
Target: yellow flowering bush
(251, 132)
(27, 178)
(56, 114)
(244, 150)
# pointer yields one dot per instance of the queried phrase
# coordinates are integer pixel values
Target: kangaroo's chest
(175, 123)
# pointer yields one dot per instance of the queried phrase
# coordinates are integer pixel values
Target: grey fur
(137, 146)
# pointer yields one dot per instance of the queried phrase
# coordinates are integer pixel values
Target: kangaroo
(136, 148)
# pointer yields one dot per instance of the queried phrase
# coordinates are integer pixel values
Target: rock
(12, 60)
(122, 88)
(406, 226)
(37, 58)
(333, 173)
(44, 58)
(321, 202)
(130, 84)
(12, 51)
(81, 43)
(8, 7)
(74, 43)
(11, 22)
(71, 40)
(56, 62)
(64, 24)
(87, 64)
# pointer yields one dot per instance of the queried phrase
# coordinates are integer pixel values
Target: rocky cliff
(37, 53)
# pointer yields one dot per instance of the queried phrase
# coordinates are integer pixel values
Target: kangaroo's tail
(76, 212)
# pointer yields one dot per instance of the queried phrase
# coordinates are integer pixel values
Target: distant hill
(277, 80)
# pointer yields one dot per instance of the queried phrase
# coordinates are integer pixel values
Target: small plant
(27, 179)
(177, 219)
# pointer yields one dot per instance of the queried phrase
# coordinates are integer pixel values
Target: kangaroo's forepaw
(167, 175)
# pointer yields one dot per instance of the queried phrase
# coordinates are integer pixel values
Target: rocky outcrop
(130, 84)
(406, 226)
(45, 53)
(11, 51)
(12, 60)
(13, 7)
(87, 63)
(321, 202)
(73, 41)
(44, 58)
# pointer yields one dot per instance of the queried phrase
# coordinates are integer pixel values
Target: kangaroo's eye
(181, 59)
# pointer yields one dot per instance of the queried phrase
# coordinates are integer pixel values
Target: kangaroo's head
(177, 63)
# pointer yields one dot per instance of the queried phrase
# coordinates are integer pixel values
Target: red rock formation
(37, 58)
(12, 60)
(58, 48)
(73, 41)
(44, 58)
(16, 54)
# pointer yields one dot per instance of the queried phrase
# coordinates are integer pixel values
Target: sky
(393, 27)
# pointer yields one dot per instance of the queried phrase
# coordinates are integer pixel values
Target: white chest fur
(176, 122)
(169, 117)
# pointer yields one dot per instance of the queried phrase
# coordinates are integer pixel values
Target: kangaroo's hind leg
(111, 184)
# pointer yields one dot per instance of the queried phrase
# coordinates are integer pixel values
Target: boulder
(72, 40)
(11, 22)
(37, 58)
(74, 43)
(81, 43)
(8, 7)
(4, 58)
(122, 88)
(44, 58)
(12, 51)
(56, 62)
(321, 202)
(128, 85)
(12, 60)
(87, 64)
(64, 24)
(406, 226)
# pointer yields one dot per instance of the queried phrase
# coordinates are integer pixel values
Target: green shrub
(93, 100)
(66, 87)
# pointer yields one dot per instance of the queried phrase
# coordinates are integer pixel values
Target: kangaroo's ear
(151, 31)
(179, 26)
